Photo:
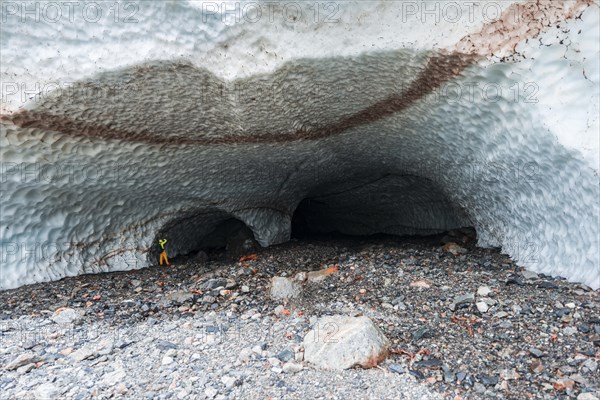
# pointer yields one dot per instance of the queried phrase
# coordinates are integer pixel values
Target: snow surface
(515, 155)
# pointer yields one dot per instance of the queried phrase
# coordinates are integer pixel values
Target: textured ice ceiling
(154, 120)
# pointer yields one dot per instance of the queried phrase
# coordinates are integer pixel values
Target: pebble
(229, 381)
(462, 299)
(66, 316)
(569, 330)
(21, 360)
(210, 392)
(529, 275)
(535, 352)
(482, 306)
(112, 378)
(82, 354)
(587, 396)
(292, 367)
(284, 288)
(484, 291)
(46, 391)
(396, 368)
(423, 332)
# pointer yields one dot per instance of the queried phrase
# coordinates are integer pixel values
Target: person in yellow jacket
(163, 255)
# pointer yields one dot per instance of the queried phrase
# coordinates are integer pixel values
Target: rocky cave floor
(208, 328)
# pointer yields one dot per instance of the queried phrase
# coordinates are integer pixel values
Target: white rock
(482, 306)
(21, 360)
(112, 378)
(229, 381)
(245, 354)
(25, 369)
(587, 396)
(569, 330)
(292, 367)
(82, 354)
(278, 310)
(284, 288)
(46, 391)
(210, 392)
(484, 291)
(65, 316)
(342, 342)
(167, 360)
(529, 274)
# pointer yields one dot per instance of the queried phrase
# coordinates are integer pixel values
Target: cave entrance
(388, 206)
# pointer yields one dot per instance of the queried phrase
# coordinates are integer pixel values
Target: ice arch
(194, 119)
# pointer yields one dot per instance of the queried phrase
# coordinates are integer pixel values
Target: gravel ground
(467, 326)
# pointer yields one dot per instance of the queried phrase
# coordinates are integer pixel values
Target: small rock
(529, 275)
(167, 360)
(285, 355)
(229, 381)
(569, 330)
(21, 360)
(536, 366)
(547, 285)
(396, 368)
(46, 391)
(342, 342)
(245, 289)
(484, 291)
(82, 354)
(454, 249)
(421, 284)
(590, 364)
(25, 369)
(292, 368)
(449, 375)
(463, 299)
(279, 310)
(509, 374)
(482, 306)
(301, 276)
(112, 378)
(210, 392)
(479, 388)
(121, 388)
(514, 280)
(321, 275)
(430, 362)
(166, 345)
(180, 297)
(284, 288)
(501, 314)
(535, 352)
(423, 332)
(586, 396)
(214, 283)
(416, 373)
(65, 316)
(564, 383)
(245, 354)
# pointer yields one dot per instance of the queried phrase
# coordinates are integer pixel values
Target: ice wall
(163, 119)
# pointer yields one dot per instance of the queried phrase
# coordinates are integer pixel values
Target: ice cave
(124, 125)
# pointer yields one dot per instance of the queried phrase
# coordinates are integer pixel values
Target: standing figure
(163, 255)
